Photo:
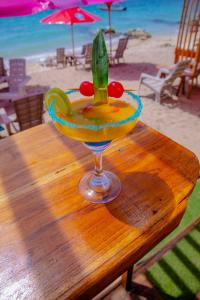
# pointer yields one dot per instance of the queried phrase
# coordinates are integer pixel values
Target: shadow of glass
(145, 199)
(36, 252)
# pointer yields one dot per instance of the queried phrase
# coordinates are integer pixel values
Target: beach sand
(178, 119)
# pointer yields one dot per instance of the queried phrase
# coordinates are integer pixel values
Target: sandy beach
(176, 118)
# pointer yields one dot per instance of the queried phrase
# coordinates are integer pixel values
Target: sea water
(27, 37)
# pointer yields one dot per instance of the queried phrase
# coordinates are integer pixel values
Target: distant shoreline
(40, 57)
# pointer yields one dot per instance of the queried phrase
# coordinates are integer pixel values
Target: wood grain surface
(53, 243)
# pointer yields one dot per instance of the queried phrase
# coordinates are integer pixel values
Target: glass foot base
(100, 190)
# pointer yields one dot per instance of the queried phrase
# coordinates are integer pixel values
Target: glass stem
(99, 182)
(98, 156)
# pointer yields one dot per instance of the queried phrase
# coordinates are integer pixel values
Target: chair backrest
(175, 73)
(178, 70)
(29, 111)
(83, 49)
(17, 73)
(88, 54)
(60, 55)
(122, 44)
(2, 68)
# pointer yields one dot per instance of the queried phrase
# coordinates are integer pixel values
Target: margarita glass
(97, 126)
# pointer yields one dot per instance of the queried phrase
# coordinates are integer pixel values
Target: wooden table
(53, 243)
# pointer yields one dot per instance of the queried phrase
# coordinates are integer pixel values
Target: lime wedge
(61, 100)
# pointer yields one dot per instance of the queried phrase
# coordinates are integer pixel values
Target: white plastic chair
(17, 80)
(160, 85)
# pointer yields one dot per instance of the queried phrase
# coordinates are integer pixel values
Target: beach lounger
(119, 52)
(86, 59)
(162, 85)
(82, 53)
(192, 72)
(61, 57)
(17, 80)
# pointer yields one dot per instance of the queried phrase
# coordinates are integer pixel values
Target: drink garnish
(100, 69)
(87, 88)
(100, 62)
(115, 89)
(60, 99)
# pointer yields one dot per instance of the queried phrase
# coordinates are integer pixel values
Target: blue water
(25, 36)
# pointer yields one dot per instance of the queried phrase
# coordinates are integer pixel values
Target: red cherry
(115, 89)
(86, 88)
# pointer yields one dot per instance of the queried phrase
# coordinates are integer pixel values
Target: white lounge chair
(162, 85)
(17, 80)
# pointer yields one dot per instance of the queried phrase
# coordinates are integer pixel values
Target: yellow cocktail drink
(84, 113)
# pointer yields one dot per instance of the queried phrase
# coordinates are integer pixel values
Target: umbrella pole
(73, 46)
(109, 20)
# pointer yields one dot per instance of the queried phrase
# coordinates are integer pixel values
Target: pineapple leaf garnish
(100, 64)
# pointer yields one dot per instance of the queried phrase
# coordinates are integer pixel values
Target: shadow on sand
(131, 71)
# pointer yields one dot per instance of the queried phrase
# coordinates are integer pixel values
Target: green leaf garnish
(100, 69)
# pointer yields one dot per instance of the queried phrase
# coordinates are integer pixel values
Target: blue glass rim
(63, 122)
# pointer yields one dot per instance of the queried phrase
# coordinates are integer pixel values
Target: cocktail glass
(98, 185)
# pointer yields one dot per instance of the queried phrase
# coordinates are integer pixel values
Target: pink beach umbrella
(12, 8)
(71, 16)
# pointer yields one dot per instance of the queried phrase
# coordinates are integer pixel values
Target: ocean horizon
(27, 37)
